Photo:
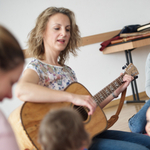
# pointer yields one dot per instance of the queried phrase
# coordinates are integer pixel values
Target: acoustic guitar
(32, 113)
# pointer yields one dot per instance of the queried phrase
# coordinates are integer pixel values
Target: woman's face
(147, 128)
(7, 79)
(57, 33)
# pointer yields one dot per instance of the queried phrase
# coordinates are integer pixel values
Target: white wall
(94, 69)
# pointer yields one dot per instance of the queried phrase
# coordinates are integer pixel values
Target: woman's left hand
(126, 79)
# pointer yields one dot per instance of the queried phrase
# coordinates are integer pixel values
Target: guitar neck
(105, 92)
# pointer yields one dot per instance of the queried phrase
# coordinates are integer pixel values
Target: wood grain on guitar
(31, 114)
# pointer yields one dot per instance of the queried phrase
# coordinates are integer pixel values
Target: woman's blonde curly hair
(35, 40)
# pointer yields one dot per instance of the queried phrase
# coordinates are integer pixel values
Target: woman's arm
(126, 79)
(28, 90)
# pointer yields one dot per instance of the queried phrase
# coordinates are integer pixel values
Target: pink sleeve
(7, 137)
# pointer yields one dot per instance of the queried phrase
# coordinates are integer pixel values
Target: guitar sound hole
(82, 112)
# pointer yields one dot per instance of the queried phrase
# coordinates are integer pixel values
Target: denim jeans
(120, 140)
(137, 123)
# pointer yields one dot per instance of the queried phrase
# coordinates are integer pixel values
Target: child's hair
(63, 129)
(11, 54)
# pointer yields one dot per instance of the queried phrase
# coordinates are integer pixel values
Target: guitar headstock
(131, 70)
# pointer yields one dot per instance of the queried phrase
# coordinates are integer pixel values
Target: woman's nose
(63, 32)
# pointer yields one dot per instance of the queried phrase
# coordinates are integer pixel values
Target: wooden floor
(128, 110)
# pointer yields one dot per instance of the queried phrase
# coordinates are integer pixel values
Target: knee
(135, 126)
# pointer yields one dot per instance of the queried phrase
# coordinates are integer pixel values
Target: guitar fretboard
(105, 92)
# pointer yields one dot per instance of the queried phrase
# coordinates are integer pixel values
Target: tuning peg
(124, 67)
(135, 77)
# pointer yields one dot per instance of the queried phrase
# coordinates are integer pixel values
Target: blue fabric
(137, 123)
(119, 140)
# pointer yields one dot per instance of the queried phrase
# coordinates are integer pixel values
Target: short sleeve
(34, 65)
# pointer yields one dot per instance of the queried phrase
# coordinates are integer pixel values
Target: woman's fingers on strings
(86, 101)
(91, 105)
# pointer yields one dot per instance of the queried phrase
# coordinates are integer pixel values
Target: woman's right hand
(84, 100)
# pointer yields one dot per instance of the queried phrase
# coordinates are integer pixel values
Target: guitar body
(20, 134)
(32, 113)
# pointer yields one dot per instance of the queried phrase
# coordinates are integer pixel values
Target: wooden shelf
(126, 46)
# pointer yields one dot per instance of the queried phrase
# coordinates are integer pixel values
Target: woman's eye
(68, 30)
(56, 28)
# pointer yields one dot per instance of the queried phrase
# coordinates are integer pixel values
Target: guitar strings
(82, 109)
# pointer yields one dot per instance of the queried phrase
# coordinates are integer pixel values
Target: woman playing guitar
(44, 79)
